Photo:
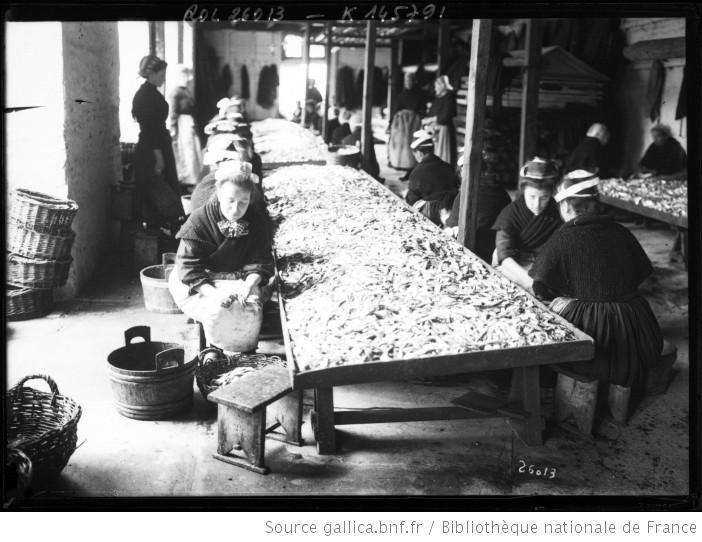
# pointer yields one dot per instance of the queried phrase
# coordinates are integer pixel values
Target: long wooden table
(525, 361)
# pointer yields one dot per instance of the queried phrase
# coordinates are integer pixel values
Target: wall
(631, 95)
(34, 150)
(252, 49)
(91, 135)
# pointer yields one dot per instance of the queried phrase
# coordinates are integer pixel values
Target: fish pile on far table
(365, 278)
(280, 141)
(665, 196)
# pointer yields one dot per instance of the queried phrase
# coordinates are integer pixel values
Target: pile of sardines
(364, 278)
(666, 196)
(280, 141)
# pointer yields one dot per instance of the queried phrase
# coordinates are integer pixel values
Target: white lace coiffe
(574, 191)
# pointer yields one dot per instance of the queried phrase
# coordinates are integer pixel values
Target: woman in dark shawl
(591, 268)
(527, 223)
(224, 262)
(154, 164)
(664, 158)
(442, 113)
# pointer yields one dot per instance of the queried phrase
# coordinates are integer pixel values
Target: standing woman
(442, 113)
(591, 268)
(154, 163)
(182, 127)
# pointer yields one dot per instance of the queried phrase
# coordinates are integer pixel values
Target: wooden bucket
(343, 155)
(150, 380)
(154, 283)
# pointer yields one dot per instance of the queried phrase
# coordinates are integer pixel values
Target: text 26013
(201, 15)
(540, 472)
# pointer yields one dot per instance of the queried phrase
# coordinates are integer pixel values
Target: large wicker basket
(25, 303)
(32, 243)
(42, 212)
(218, 364)
(36, 273)
(43, 425)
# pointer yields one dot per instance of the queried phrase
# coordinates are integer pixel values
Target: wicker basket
(43, 425)
(18, 476)
(207, 371)
(39, 244)
(42, 212)
(38, 274)
(25, 303)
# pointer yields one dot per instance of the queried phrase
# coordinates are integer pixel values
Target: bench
(243, 407)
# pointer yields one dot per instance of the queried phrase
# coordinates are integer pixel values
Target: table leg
(532, 427)
(323, 420)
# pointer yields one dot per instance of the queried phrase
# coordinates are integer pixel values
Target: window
(292, 48)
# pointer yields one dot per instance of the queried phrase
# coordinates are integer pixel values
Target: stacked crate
(39, 246)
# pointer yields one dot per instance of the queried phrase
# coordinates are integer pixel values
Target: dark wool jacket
(520, 231)
(588, 155)
(203, 248)
(412, 99)
(432, 180)
(150, 110)
(444, 109)
(666, 159)
(591, 258)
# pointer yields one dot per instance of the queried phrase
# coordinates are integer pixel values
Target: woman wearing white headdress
(188, 151)
(442, 113)
(591, 268)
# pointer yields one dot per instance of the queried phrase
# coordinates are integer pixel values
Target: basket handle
(46, 378)
(168, 258)
(137, 331)
(177, 353)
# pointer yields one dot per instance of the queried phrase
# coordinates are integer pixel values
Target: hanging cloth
(267, 86)
(245, 90)
(654, 92)
(681, 109)
(225, 81)
(345, 88)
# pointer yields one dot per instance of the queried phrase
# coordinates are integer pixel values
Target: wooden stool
(241, 416)
(659, 377)
(577, 396)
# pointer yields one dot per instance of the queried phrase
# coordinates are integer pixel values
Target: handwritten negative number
(545, 472)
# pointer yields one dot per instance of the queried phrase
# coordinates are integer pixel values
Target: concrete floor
(118, 456)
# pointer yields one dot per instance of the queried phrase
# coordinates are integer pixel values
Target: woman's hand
(223, 296)
(159, 164)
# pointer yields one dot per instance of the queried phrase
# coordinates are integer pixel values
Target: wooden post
(475, 115)
(306, 62)
(327, 85)
(443, 46)
(158, 37)
(392, 89)
(367, 133)
(529, 130)
(180, 42)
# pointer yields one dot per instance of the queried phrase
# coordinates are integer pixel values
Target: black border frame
(691, 10)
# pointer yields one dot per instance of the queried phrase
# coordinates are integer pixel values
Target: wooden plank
(369, 64)
(327, 85)
(306, 62)
(530, 430)
(488, 405)
(475, 116)
(662, 49)
(648, 212)
(528, 132)
(392, 90)
(443, 45)
(180, 42)
(254, 390)
(325, 433)
(392, 415)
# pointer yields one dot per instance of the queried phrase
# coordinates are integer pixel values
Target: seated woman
(226, 161)
(665, 158)
(527, 223)
(592, 268)
(432, 183)
(354, 138)
(226, 238)
(492, 198)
